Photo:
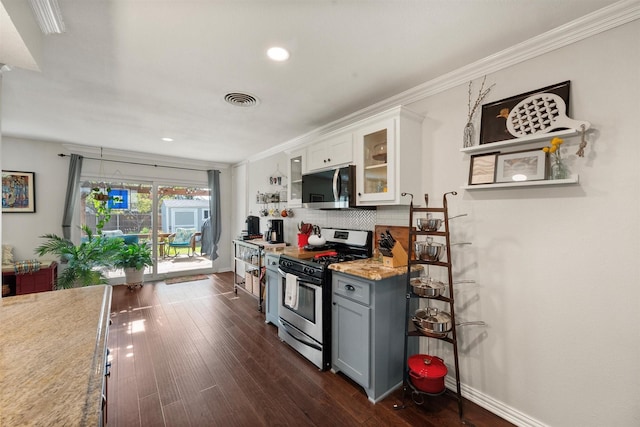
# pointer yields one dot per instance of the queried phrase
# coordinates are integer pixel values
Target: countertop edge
(98, 364)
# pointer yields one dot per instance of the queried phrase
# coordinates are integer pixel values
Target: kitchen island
(53, 357)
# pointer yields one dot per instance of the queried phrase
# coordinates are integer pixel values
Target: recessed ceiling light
(278, 53)
(166, 139)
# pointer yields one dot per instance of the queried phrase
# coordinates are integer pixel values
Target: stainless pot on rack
(427, 287)
(436, 323)
(429, 251)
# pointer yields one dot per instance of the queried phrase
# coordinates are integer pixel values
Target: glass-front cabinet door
(296, 169)
(376, 163)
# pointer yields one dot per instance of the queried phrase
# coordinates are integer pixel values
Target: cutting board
(400, 233)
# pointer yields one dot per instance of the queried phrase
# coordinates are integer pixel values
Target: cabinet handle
(329, 159)
(350, 288)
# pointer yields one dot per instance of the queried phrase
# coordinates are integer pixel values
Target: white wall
(23, 230)
(557, 270)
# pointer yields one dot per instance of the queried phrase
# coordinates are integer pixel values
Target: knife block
(399, 258)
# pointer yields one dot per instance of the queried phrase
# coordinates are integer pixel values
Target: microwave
(330, 189)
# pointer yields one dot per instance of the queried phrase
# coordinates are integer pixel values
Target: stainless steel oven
(304, 322)
(301, 325)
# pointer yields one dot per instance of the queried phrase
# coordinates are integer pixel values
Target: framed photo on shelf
(18, 192)
(493, 122)
(530, 165)
(482, 168)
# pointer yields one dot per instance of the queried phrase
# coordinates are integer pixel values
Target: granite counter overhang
(52, 357)
(372, 269)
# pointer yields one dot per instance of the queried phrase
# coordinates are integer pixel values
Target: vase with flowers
(558, 169)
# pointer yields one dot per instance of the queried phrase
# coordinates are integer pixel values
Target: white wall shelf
(485, 148)
(573, 179)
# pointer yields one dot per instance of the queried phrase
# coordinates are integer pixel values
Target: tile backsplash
(348, 219)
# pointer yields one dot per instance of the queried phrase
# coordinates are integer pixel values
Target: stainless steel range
(304, 293)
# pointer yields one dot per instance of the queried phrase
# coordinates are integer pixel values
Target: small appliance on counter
(253, 228)
(275, 231)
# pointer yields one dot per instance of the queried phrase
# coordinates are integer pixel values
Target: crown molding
(589, 25)
(609, 17)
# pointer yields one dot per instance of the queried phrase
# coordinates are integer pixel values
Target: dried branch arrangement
(482, 93)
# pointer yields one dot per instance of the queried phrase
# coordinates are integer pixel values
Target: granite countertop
(52, 356)
(371, 268)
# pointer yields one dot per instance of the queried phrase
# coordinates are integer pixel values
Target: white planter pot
(133, 276)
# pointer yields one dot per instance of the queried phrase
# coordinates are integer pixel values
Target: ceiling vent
(241, 99)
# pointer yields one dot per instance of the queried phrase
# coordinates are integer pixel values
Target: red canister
(427, 373)
(303, 240)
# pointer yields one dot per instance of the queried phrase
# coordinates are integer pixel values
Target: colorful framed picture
(18, 192)
(482, 169)
(530, 165)
(493, 122)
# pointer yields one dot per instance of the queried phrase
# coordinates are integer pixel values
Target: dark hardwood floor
(196, 354)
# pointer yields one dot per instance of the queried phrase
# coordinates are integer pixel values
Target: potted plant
(100, 199)
(133, 258)
(84, 264)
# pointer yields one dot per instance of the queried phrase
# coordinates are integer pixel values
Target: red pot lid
(427, 366)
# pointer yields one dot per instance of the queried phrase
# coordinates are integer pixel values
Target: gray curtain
(215, 228)
(73, 185)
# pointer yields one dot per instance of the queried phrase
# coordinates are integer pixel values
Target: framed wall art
(530, 165)
(482, 169)
(18, 192)
(493, 122)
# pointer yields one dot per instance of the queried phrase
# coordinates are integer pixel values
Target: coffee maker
(275, 231)
(253, 226)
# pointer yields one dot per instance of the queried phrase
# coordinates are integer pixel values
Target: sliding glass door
(169, 218)
(182, 212)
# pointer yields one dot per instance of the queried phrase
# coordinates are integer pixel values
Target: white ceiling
(128, 72)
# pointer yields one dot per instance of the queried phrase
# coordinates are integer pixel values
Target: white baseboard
(494, 406)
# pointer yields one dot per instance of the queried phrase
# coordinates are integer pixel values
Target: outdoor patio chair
(182, 238)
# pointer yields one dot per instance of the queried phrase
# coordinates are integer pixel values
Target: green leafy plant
(133, 255)
(84, 264)
(100, 199)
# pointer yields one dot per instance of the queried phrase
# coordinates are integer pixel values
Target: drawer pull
(350, 288)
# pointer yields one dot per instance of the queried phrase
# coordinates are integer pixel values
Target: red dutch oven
(427, 373)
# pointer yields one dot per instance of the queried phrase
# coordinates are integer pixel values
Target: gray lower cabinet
(367, 343)
(272, 281)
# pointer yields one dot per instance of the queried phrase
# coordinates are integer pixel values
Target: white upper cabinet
(388, 156)
(330, 152)
(297, 166)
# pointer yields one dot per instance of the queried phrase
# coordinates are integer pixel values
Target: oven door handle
(298, 336)
(313, 285)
